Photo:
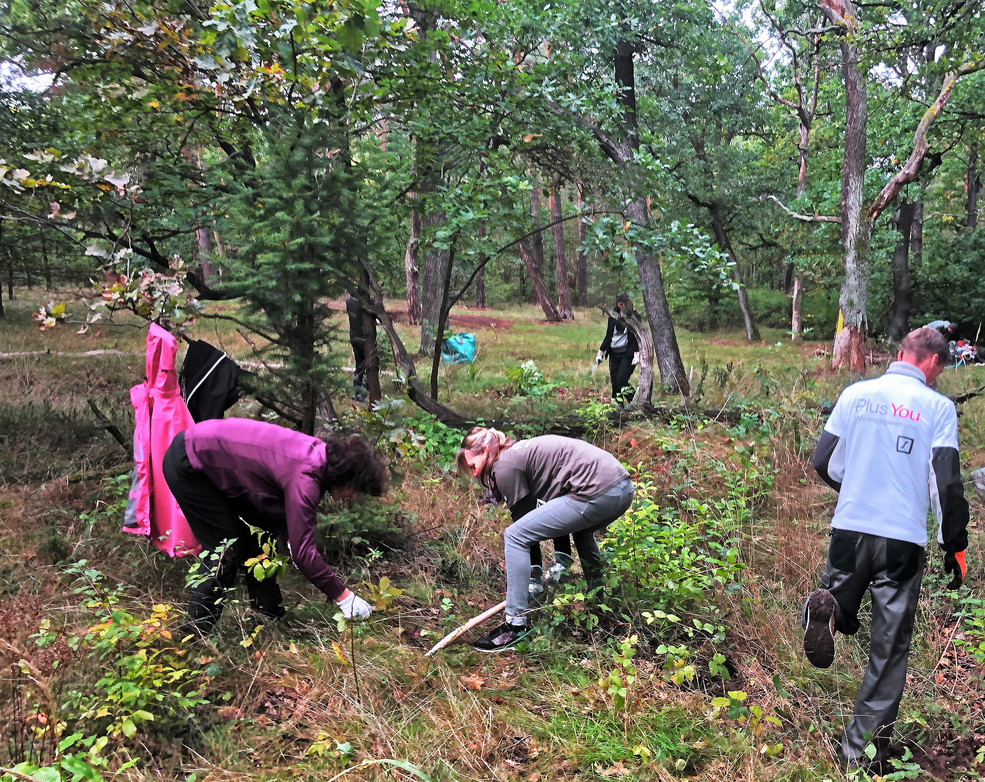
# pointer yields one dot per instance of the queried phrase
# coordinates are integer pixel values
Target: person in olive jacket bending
(227, 473)
(554, 486)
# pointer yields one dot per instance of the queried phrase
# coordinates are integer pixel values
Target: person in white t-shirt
(890, 450)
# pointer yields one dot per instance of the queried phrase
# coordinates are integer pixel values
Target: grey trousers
(891, 570)
(560, 517)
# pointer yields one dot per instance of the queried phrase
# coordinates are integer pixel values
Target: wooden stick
(466, 627)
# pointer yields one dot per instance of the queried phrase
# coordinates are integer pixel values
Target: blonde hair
(479, 439)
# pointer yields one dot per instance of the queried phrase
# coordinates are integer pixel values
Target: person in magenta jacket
(228, 473)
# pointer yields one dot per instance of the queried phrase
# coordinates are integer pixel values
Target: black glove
(954, 565)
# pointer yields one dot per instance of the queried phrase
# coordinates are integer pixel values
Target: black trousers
(226, 540)
(621, 368)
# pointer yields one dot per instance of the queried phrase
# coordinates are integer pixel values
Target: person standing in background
(621, 347)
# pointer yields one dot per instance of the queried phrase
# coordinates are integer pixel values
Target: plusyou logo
(904, 444)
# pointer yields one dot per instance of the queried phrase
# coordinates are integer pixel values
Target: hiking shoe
(819, 634)
(506, 636)
(562, 564)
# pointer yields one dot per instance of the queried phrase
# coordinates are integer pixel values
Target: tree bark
(411, 272)
(536, 241)
(541, 295)
(372, 350)
(582, 255)
(748, 322)
(480, 279)
(856, 226)
(434, 272)
(664, 340)
(902, 292)
(916, 235)
(560, 258)
(795, 299)
(974, 186)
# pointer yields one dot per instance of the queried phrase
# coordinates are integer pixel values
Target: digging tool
(466, 627)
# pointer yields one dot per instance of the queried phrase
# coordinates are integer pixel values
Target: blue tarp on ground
(459, 348)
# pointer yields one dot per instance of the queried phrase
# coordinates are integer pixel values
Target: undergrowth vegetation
(686, 666)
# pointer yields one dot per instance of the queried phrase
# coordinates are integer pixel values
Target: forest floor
(691, 669)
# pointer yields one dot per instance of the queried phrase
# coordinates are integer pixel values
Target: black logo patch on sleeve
(904, 444)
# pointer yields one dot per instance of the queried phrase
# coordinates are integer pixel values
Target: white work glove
(599, 357)
(354, 607)
(636, 358)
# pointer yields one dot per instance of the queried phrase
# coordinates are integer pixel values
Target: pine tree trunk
(560, 258)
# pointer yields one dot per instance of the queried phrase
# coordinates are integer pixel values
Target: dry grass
(302, 699)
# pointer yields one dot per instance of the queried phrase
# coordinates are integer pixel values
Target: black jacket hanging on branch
(209, 381)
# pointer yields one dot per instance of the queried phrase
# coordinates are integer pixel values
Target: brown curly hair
(353, 462)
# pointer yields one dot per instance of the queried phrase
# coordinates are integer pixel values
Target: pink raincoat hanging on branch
(160, 413)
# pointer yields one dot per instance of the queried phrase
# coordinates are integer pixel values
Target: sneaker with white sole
(819, 630)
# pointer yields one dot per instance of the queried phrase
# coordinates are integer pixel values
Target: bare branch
(814, 218)
(921, 145)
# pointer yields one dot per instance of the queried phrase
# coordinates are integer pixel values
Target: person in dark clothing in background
(358, 341)
(232, 473)
(621, 347)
